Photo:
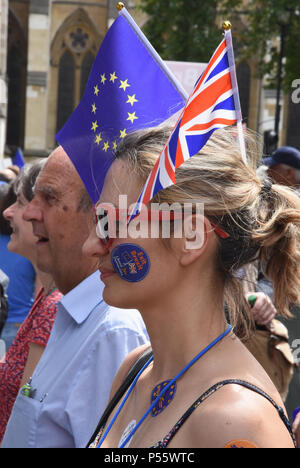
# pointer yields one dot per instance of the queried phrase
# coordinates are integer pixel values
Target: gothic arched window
(14, 73)
(85, 71)
(66, 82)
(73, 51)
(16, 80)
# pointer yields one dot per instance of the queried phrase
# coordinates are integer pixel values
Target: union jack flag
(213, 104)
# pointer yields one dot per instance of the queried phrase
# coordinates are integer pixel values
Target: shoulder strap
(135, 369)
(165, 442)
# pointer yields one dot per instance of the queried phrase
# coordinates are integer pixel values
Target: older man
(61, 405)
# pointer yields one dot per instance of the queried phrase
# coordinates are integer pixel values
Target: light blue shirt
(88, 343)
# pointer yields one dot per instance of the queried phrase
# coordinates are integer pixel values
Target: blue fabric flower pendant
(165, 399)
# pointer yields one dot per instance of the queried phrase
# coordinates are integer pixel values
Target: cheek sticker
(131, 262)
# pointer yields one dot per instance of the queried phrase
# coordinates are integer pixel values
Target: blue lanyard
(204, 351)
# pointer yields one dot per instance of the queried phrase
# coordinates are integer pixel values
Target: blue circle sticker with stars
(131, 262)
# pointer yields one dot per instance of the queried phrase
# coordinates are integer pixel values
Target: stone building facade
(50, 49)
(47, 48)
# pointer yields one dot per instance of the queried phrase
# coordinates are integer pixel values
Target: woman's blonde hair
(262, 220)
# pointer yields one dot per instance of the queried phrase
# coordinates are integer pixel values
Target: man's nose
(32, 212)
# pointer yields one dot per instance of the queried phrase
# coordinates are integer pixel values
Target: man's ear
(197, 232)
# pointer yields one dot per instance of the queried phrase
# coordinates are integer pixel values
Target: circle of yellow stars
(131, 100)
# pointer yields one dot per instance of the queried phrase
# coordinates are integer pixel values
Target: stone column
(37, 72)
(3, 85)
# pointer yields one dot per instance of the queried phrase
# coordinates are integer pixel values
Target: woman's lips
(104, 273)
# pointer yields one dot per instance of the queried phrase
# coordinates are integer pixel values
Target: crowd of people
(94, 358)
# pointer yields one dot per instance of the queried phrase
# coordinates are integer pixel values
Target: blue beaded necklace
(164, 390)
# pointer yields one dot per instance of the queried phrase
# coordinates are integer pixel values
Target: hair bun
(266, 186)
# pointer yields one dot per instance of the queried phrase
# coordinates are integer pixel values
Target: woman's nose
(8, 213)
(94, 246)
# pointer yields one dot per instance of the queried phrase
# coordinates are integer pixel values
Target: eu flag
(18, 159)
(127, 90)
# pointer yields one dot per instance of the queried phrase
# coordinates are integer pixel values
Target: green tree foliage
(268, 23)
(183, 30)
(188, 30)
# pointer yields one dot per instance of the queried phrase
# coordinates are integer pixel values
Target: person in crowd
(23, 281)
(19, 363)
(263, 310)
(60, 405)
(269, 341)
(9, 173)
(284, 166)
(206, 388)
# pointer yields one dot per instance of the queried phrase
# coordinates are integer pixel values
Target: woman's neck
(46, 281)
(182, 325)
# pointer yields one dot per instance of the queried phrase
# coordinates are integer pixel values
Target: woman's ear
(197, 231)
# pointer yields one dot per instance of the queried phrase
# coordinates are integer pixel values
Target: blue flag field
(127, 90)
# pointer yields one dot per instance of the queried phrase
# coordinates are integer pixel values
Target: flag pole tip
(226, 25)
(120, 6)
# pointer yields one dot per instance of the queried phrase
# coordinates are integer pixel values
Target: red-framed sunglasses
(109, 220)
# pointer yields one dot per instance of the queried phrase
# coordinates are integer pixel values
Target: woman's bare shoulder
(236, 413)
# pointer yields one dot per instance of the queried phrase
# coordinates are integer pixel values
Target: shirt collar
(81, 301)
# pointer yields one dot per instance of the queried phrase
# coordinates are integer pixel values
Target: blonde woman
(201, 387)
